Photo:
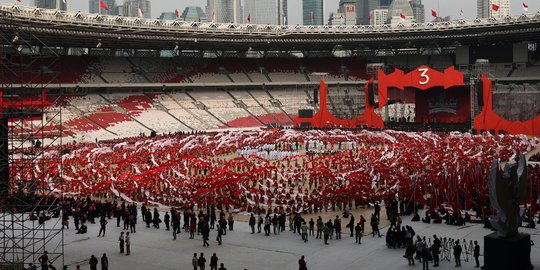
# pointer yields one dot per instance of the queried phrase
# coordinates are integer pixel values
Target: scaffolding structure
(30, 156)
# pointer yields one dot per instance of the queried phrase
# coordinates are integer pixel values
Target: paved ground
(155, 249)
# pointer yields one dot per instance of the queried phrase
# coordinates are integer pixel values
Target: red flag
(525, 7)
(213, 16)
(141, 12)
(495, 7)
(249, 18)
(19, 1)
(434, 13)
(177, 13)
(102, 5)
(461, 13)
(402, 16)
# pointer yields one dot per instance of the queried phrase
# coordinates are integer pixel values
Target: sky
(445, 7)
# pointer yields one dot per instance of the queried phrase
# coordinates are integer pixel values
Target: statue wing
(493, 186)
(522, 179)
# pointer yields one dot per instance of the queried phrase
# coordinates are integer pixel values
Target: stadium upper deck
(51, 27)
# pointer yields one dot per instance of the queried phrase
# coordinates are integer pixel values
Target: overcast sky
(446, 7)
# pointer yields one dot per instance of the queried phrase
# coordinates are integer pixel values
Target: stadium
(105, 115)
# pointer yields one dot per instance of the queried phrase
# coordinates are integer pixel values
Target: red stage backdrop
(443, 106)
(488, 120)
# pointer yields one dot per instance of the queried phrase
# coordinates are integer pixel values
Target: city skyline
(443, 7)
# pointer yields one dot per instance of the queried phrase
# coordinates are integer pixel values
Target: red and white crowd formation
(288, 169)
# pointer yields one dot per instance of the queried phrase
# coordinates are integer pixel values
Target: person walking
(206, 234)
(213, 262)
(304, 229)
(259, 223)
(102, 226)
(230, 221)
(219, 234)
(320, 226)
(351, 225)
(476, 253)
(104, 262)
(128, 244)
(375, 225)
(167, 220)
(457, 254)
(195, 261)
(435, 250)
(358, 233)
(252, 223)
(44, 260)
(426, 257)
(311, 227)
(337, 227)
(93, 262)
(326, 234)
(302, 265)
(121, 242)
(201, 262)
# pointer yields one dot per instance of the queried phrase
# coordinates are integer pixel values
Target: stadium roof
(54, 28)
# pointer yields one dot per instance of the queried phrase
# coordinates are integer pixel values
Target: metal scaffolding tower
(30, 155)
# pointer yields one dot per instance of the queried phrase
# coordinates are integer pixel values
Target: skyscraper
(397, 9)
(53, 4)
(378, 16)
(313, 12)
(266, 11)
(94, 7)
(348, 8)
(363, 7)
(224, 11)
(419, 12)
(130, 8)
(485, 8)
(194, 14)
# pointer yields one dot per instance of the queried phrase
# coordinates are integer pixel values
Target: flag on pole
(141, 12)
(102, 5)
(213, 16)
(312, 17)
(461, 13)
(495, 7)
(402, 16)
(177, 13)
(525, 7)
(434, 13)
(249, 18)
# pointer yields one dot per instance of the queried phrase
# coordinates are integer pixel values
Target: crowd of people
(355, 168)
(279, 176)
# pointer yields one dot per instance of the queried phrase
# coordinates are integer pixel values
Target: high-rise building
(193, 14)
(397, 9)
(94, 7)
(53, 4)
(348, 9)
(130, 8)
(485, 8)
(336, 18)
(419, 12)
(363, 7)
(167, 16)
(225, 11)
(313, 12)
(266, 11)
(378, 16)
